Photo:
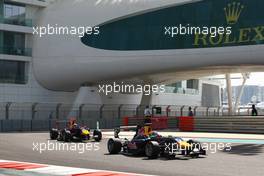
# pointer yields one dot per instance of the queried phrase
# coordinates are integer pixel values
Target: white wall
(32, 92)
(176, 99)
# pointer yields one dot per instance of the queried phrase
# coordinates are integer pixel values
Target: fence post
(167, 110)
(31, 125)
(194, 110)
(21, 125)
(58, 110)
(119, 111)
(182, 110)
(152, 110)
(137, 110)
(50, 124)
(207, 111)
(33, 110)
(218, 111)
(2, 125)
(80, 111)
(101, 111)
(7, 108)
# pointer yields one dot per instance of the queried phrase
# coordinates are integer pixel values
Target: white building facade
(52, 69)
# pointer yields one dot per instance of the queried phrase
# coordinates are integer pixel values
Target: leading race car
(75, 133)
(154, 145)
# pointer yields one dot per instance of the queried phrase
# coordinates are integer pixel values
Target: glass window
(14, 11)
(174, 88)
(14, 43)
(7, 11)
(1, 39)
(12, 72)
(15, 14)
(193, 84)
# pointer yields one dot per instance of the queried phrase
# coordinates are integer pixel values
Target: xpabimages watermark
(131, 88)
(70, 147)
(198, 147)
(80, 31)
(174, 31)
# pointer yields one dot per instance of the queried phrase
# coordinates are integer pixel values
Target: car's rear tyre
(190, 141)
(66, 136)
(88, 137)
(114, 146)
(97, 135)
(195, 145)
(60, 135)
(54, 134)
(152, 149)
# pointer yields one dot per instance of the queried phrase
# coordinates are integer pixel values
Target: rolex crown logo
(233, 11)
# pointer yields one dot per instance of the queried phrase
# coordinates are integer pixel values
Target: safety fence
(44, 111)
(230, 124)
(233, 125)
(46, 125)
(41, 116)
(241, 124)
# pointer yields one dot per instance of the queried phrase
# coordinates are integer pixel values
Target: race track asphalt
(242, 160)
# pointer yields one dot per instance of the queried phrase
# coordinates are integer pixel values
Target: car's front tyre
(152, 149)
(54, 134)
(97, 135)
(114, 146)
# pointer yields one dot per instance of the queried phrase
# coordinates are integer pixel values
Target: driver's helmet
(154, 134)
(75, 125)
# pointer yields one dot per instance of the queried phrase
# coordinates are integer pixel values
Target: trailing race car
(154, 145)
(74, 133)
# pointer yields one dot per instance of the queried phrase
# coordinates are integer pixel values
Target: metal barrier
(157, 122)
(10, 110)
(240, 124)
(109, 115)
(46, 125)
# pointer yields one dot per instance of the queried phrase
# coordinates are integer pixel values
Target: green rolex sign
(244, 31)
(147, 31)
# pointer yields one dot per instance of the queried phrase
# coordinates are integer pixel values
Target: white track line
(66, 171)
(58, 170)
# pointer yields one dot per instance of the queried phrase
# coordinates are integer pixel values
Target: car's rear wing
(124, 128)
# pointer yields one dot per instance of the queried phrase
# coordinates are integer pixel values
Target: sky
(254, 79)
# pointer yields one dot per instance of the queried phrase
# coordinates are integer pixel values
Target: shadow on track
(246, 150)
(178, 157)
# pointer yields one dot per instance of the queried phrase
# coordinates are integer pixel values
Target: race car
(154, 145)
(75, 133)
